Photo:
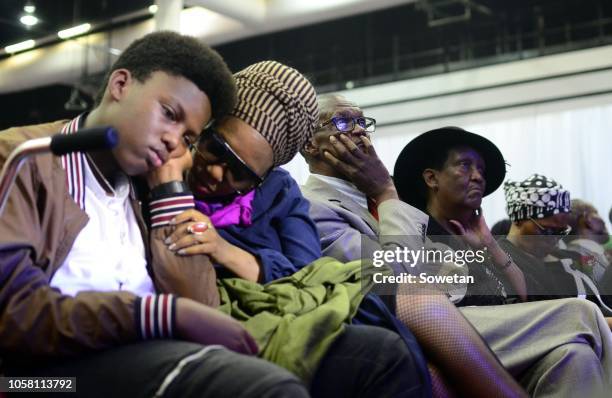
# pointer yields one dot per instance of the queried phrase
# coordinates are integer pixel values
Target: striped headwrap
(536, 197)
(280, 103)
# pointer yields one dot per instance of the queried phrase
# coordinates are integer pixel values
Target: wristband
(169, 188)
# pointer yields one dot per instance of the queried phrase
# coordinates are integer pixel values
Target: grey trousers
(168, 368)
(365, 361)
(555, 348)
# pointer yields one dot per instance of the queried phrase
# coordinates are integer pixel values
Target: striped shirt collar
(74, 165)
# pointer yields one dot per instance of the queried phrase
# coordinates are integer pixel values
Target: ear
(521, 226)
(515, 227)
(118, 84)
(430, 177)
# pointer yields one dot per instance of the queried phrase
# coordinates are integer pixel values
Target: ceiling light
(74, 31)
(24, 45)
(153, 9)
(29, 8)
(28, 20)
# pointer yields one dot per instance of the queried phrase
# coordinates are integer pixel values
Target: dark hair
(179, 55)
(580, 209)
(501, 228)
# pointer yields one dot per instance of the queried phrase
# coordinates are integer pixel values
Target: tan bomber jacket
(37, 230)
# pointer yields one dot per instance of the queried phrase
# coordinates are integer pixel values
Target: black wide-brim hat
(412, 161)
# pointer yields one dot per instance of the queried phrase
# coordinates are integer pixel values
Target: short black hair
(179, 55)
(501, 228)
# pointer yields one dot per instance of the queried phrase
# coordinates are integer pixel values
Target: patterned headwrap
(280, 103)
(536, 197)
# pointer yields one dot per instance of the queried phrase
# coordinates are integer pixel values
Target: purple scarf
(237, 212)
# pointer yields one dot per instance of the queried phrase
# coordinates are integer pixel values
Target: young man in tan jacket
(82, 291)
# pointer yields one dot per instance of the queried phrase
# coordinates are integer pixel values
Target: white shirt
(108, 254)
(346, 188)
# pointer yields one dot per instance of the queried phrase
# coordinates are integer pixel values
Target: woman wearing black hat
(446, 172)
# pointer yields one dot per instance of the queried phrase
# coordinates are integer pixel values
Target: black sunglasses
(212, 148)
(347, 124)
(552, 231)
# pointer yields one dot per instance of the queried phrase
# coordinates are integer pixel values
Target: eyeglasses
(552, 231)
(213, 149)
(347, 124)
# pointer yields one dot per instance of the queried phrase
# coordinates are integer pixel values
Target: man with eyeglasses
(348, 176)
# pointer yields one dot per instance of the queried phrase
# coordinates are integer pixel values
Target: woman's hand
(478, 235)
(195, 234)
(475, 233)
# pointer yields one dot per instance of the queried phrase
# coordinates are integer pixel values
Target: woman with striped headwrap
(240, 190)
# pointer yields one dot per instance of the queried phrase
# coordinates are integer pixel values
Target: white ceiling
(214, 21)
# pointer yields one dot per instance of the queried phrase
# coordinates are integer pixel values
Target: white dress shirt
(108, 254)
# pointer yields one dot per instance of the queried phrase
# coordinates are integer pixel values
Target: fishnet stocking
(454, 347)
(439, 389)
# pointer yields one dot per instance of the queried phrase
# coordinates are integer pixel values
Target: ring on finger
(198, 228)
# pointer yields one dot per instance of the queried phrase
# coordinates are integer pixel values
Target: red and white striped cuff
(155, 316)
(164, 210)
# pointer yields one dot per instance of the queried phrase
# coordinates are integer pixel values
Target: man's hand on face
(172, 170)
(362, 167)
